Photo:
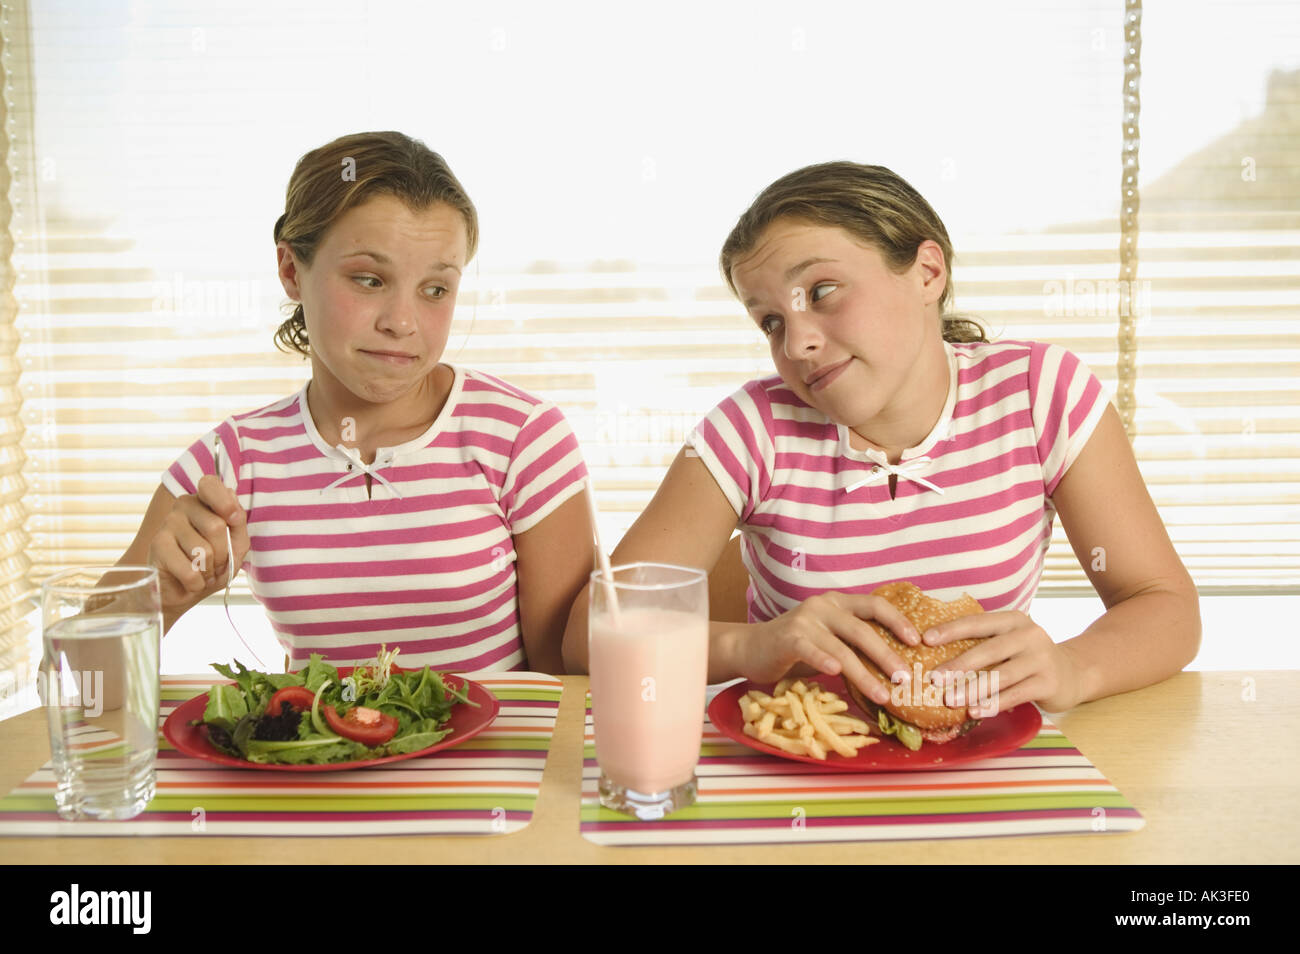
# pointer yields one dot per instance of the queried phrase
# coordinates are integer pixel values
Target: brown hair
(871, 203)
(338, 176)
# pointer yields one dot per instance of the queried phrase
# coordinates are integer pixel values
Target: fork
(230, 560)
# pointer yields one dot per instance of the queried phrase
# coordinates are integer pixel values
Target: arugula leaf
(317, 751)
(243, 677)
(461, 695)
(243, 733)
(225, 707)
(318, 672)
(282, 680)
(421, 736)
(259, 697)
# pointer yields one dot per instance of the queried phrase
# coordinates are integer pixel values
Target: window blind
(161, 159)
(16, 198)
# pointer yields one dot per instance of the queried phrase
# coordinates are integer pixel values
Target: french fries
(803, 720)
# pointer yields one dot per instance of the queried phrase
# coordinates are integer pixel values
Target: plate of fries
(813, 720)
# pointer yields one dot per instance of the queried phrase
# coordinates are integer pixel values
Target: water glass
(102, 629)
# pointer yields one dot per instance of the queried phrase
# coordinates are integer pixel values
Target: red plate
(1004, 733)
(465, 723)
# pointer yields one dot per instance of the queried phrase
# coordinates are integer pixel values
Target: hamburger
(914, 724)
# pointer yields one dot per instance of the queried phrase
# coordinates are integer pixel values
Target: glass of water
(102, 627)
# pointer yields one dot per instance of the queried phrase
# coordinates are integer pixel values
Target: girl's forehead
(787, 244)
(387, 219)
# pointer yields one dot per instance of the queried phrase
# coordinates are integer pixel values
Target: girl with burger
(894, 443)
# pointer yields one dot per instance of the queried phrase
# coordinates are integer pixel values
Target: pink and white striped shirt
(426, 560)
(1018, 414)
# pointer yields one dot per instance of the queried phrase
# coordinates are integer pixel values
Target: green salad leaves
(240, 725)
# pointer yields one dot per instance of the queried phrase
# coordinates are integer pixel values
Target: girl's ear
(287, 268)
(932, 270)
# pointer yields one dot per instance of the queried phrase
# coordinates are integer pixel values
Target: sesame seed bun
(936, 722)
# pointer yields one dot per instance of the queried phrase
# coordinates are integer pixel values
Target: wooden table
(1208, 758)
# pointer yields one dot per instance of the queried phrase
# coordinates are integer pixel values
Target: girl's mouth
(392, 357)
(826, 378)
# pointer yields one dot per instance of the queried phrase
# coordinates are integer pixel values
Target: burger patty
(947, 735)
(937, 736)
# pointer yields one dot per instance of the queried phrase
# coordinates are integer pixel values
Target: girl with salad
(394, 499)
(895, 443)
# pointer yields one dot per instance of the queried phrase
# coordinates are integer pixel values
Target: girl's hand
(815, 632)
(1030, 667)
(190, 549)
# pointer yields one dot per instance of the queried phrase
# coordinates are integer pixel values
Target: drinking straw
(608, 574)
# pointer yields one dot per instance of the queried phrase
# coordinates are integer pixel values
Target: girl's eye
(769, 325)
(436, 292)
(818, 288)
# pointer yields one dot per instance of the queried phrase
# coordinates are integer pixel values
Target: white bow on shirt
(354, 455)
(884, 468)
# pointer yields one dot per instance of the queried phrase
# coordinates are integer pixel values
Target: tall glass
(648, 659)
(102, 627)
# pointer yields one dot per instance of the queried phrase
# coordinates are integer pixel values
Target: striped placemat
(489, 785)
(1047, 787)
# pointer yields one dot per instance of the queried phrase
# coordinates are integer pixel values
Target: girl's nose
(398, 317)
(802, 336)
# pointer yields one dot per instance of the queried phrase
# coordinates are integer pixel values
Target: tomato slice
(298, 697)
(370, 727)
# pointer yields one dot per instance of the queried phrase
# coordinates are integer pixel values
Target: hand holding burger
(916, 712)
(829, 633)
(1031, 667)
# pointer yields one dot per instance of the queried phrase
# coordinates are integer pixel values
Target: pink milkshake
(649, 668)
(647, 696)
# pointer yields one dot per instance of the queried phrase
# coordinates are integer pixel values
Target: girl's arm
(552, 562)
(688, 523)
(172, 528)
(1152, 625)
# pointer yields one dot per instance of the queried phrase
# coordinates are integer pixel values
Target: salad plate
(465, 722)
(999, 735)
